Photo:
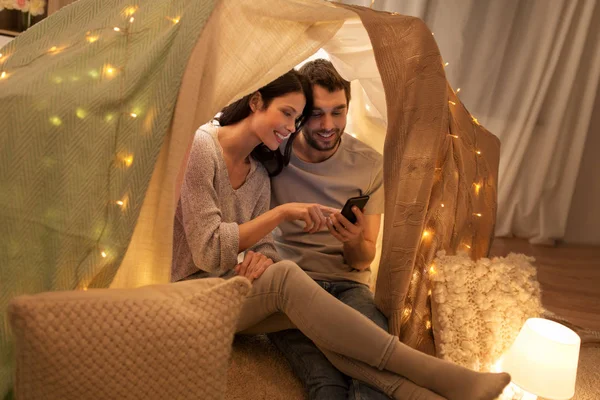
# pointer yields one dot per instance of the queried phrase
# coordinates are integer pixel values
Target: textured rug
(259, 372)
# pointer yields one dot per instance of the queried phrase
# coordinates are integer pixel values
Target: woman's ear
(256, 102)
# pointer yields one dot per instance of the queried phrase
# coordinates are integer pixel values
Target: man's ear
(256, 102)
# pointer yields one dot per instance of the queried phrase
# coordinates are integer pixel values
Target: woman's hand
(313, 215)
(253, 266)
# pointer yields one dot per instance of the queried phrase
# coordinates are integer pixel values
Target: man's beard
(316, 144)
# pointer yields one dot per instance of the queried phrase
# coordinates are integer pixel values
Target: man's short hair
(322, 72)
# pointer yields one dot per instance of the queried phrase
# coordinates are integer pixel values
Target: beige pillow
(157, 342)
(480, 306)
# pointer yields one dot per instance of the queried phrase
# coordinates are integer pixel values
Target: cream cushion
(168, 341)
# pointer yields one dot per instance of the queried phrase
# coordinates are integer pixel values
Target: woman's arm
(212, 242)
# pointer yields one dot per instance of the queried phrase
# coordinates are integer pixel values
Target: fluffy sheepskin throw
(480, 306)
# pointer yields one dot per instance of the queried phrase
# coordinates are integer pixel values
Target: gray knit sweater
(206, 231)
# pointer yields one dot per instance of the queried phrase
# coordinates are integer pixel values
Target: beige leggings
(352, 342)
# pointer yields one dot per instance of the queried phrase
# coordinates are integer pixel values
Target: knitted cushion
(157, 342)
(480, 306)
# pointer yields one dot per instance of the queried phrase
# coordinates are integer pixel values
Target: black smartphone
(359, 201)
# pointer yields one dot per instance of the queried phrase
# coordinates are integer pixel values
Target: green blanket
(87, 97)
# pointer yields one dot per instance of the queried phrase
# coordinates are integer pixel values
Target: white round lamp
(543, 359)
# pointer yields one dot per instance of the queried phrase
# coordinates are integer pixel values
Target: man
(328, 167)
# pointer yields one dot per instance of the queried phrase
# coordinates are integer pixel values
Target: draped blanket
(99, 104)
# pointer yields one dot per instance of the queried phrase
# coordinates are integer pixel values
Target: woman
(224, 210)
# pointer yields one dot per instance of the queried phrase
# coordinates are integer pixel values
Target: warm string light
(454, 136)
(174, 20)
(443, 205)
(426, 234)
(475, 121)
(133, 115)
(81, 113)
(3, 75)
(432, 269)
(478, 152)
(446, 64)
(458, 90)
(103, 254)
(451, 102)
(428, 324)
(117, 29)
(56, 121)
(477, 214)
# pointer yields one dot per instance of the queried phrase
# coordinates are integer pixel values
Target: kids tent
(100, 102)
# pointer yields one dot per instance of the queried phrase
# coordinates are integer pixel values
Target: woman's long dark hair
(290, 82)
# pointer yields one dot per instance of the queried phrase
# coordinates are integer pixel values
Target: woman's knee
(283, 269)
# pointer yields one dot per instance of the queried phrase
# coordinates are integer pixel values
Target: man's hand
(253, 266)
(345, 231)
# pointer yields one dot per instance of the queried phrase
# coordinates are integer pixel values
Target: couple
(224, 210)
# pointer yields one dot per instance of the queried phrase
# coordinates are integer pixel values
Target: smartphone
(359, 201)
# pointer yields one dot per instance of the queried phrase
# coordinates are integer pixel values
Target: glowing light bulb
(426, 234)
(3, 75)
(109, 70)
(446, 64)
(0, 55)
(432, 269)
(133, 115)
(81, 113)
(429, 293)
(56, 121)
(443, 205)
(103, 254)
(475, 121)
(131, 20)
(454, 136)
(451, 102)
(128, 160)
(477, 214)
(368, 107)
(428, 324)
(129, 11)
(458, 90)
(91, 39)
(119, 202)
(174, 20)
(478, 152)
(53, 49)
(117, 29)
(467, 246)
(432, 34)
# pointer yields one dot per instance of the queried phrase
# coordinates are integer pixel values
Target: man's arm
(361, 252)
(360, 239)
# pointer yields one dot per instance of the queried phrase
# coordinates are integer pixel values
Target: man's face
(324, 129)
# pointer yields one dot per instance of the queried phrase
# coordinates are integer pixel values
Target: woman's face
(276, 122)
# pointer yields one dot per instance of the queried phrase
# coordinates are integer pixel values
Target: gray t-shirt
(355, 169)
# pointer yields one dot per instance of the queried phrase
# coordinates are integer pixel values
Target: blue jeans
(320, 378)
